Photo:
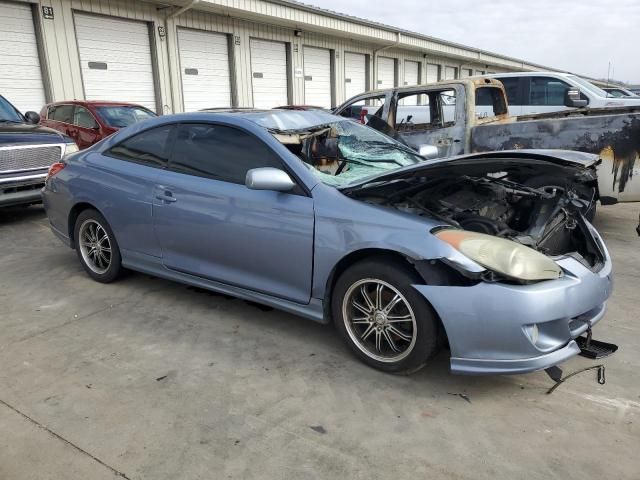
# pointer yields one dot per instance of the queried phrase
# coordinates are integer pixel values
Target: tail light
(55, 168)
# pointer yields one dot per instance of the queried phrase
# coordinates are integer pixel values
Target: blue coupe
(323, 217)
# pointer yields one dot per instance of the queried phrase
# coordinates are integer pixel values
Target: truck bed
(612, 133)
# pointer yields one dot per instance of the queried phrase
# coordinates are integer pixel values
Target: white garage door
(411, 73)
(386, 72)
(204, 66)
(433, 73)
(355, 74)
(317, 77)
(269, 73)
(20, 73)
(115, 59)
(411, 77)
(450, 73)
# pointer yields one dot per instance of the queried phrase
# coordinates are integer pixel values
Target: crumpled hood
(21, 133)
(470, 162)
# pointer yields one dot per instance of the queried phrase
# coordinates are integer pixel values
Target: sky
(581, 36)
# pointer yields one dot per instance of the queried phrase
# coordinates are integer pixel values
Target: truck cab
(543, 92)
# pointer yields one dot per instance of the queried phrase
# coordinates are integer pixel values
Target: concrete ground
(148, 379)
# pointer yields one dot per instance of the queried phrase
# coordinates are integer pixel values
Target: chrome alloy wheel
(95, 246)
(379, 320)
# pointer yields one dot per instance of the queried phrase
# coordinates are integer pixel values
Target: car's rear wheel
(383, 319)
(97, 247)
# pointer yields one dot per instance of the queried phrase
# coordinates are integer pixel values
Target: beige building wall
(242, 20)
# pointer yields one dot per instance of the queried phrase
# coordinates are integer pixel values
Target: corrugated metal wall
(64, 77)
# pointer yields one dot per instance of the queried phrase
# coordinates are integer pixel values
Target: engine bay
(550, 222)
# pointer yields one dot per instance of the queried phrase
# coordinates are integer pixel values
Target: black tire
(551, 182)
(400, 277)
(99, 269)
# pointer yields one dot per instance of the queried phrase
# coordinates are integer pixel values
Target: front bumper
(489, 325)
(24, 189)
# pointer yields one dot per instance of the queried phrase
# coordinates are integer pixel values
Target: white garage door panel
(20, 72)
(386, 72)
(206, 56)
(355, 74)
(411, 73)
(268, 73)
(124, 46)
(411, 77)
(317, 77)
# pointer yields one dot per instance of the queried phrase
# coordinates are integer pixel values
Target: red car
(88, 121)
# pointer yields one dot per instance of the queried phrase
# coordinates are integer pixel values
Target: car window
(546, 91)
(511, 87)
(363, 110)
(8, 112)
(61, 113)
(425, 110)
(490, 97)
(151, 147)
(83, 118)
(120, 116)
(219, 152)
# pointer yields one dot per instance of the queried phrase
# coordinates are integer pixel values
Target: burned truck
(470, 116)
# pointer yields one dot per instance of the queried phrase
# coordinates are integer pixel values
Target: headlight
(502, 256)
(70, 148)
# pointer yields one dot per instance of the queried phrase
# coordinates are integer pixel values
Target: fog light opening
(532, 332)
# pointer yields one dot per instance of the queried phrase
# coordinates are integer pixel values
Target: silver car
(331, 220)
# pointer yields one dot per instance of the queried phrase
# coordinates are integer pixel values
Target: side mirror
(572, 99)
(268, 178)
(32, 117)
(428, 151)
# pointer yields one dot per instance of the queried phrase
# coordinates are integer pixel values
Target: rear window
(121, 116)
(61, 113)
(492, 98)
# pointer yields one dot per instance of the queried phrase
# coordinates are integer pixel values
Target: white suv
(541, 92)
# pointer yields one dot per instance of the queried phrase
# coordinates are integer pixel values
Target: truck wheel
(551, 184)
(382, 318)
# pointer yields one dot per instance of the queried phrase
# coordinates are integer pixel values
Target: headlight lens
(70, 148)
(502, 256)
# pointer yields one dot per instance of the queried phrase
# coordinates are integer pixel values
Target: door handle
(167, 196)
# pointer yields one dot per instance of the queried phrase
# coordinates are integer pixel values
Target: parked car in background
(27, 150)
(89, 121)
(619, 92)
(543, 92)
(471, 115)
(323, 217)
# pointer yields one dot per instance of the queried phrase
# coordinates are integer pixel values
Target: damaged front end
(493, 200)
(539, 276)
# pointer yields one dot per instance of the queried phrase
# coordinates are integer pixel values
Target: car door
(126, 176)
(211, 225)
(87, 129)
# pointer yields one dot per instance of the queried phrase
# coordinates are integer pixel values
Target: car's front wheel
(97, 247)
(383, 319)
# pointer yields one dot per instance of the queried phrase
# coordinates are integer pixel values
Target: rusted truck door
(430, 117)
